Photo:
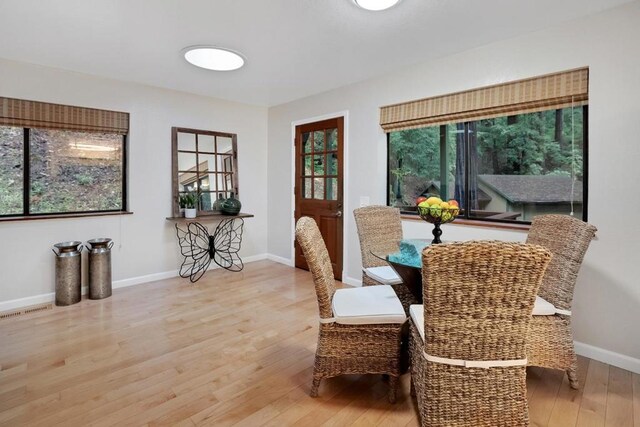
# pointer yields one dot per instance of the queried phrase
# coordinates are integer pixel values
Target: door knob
(339, 214)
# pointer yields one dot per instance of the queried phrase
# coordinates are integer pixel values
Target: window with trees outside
(61, 160)
(505, 152)
(508, 168)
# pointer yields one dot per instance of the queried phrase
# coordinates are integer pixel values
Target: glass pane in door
(332, 188)
(332, 139)
(306, 190)
(318, 141)
(307, 165)
(318, 188)
(306, 142)
(332, 164)
(318, 165)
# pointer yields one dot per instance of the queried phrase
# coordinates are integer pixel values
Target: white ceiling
(294, 48)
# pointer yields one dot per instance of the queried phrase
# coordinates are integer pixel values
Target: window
(61, 159)
(508, 168)
(506, 152)
(205, 163)
(320, 164)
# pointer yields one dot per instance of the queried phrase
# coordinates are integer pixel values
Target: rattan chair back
(479, 297)
(379, 230)
(315, 252)
(568, 239)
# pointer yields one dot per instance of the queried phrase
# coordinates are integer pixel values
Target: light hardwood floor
(233, 349)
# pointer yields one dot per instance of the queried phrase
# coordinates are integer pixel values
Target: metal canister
(99, 268)
(68, 272)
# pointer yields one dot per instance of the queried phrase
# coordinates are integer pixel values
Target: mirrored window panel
(204, 164)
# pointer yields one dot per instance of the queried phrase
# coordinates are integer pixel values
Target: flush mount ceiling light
(376, 5)
(213, 58)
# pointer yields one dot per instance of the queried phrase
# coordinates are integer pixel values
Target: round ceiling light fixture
(376, 5)
(213, 58)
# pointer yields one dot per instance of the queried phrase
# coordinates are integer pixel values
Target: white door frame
(345, 181)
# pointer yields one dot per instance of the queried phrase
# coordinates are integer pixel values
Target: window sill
(59, 216)
(476, 223)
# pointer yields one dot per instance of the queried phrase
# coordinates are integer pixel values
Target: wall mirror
(205, 163)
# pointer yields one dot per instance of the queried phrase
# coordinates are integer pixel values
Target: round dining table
(407, 263)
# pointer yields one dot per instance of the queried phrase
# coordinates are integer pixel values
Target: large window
(508, 168)
(52, 171)
(61, 159)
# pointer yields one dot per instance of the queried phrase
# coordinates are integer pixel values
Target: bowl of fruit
(437, 212)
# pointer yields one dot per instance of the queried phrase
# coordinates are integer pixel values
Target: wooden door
(318, 188)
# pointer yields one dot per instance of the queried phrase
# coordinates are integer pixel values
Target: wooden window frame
(174, 166)
(465, 218)
(26, 183)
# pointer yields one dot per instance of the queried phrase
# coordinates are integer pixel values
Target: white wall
(607, 297)
(145, 242)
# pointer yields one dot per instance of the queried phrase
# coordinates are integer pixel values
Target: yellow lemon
(434, 200)
(444, 205)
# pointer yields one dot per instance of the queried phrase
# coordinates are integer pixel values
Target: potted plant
(190, 201)
(182, 203)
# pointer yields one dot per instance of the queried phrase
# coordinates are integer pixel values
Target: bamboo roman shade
(21, 113)
(551, 91)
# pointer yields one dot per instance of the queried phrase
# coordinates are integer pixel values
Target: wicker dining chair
(468, 357)
(550, 339)
(380, 231)
(360, 348)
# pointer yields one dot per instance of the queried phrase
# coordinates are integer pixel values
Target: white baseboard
(132, 281)
(609, 357)
(252, 258)
(15, 304)
(281, 260)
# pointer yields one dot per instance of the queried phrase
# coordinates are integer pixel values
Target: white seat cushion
(369, 305)
(385, 275)
(543, 307)
(416, 312)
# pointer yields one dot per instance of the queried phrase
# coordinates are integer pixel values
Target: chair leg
(572, 373)
(393, 388)
(314, 387)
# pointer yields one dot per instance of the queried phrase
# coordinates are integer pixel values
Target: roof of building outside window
(534, 189)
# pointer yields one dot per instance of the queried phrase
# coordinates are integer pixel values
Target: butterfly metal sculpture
(199, 247)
